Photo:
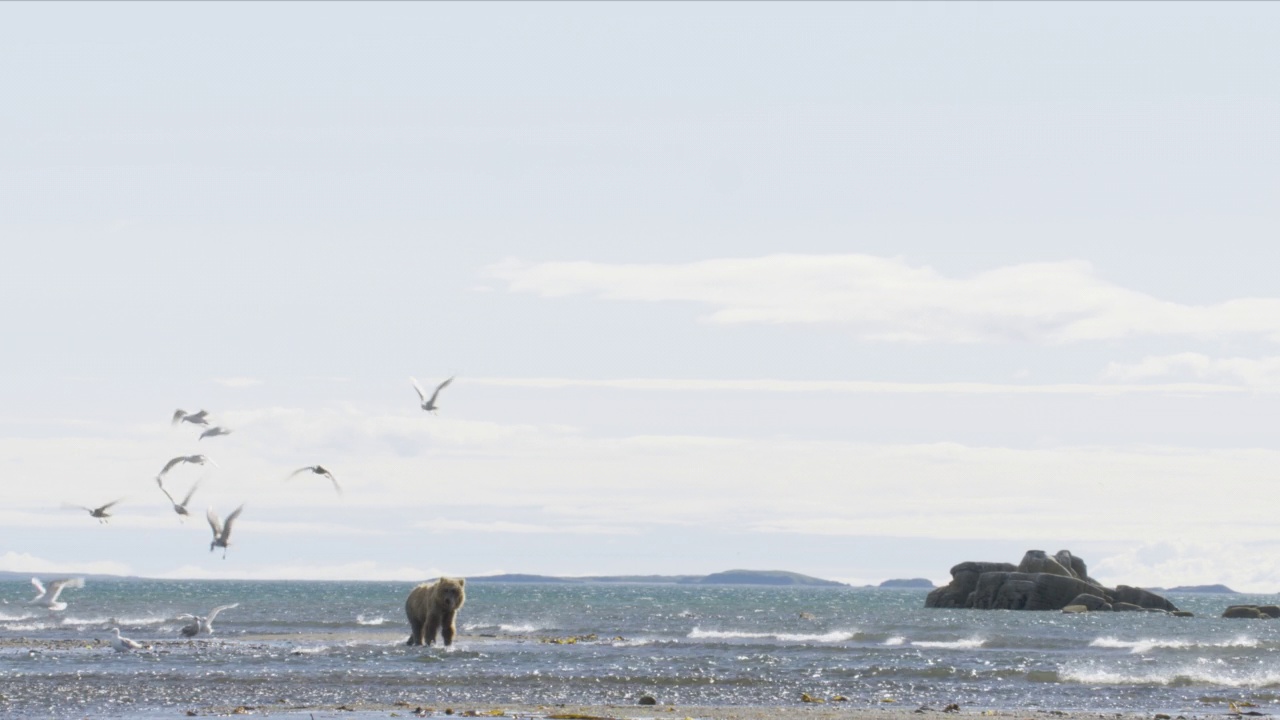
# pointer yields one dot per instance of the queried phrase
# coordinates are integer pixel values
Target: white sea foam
(6, 617)
(26, 627)
(520, 628)
(1138, 647)
(374, 620)
(308, 649)
(966, 644)
(895, 640)
(112, 621)
(1202, 674)
(830, 637)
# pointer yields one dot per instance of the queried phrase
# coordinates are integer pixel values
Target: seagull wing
(169, 465)
(214, 522)
(190, 492)
(108, 505)
(422, 397)
(439, 387)
(55, 587)
(166, 492)
(309, 468)
(177, 416)
(334, 480)
(226, 527)
(39, 586)
(214, 612)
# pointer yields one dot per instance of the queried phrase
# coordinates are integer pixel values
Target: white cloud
(26, 563)
(1246, 567)
(1257, 373)
(887, 299)
(237, 382)
(765, 385)
(450, 525)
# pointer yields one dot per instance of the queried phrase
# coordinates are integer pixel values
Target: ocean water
(299, 644)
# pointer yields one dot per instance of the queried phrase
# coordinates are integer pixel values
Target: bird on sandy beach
(193, 459)
(221, 530)
(429, 404)
(319, 470)
(178, 507)
(47, 596)
(201, 624)
(119, 643)
(99, 512)
(214, 431)
(195, 418)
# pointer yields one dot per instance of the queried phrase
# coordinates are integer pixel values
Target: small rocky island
(1040, 582)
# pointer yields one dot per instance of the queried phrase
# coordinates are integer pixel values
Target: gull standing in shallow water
(195, 418)
(120, 643)
(193, 459)
(214, 432)
(178, 507)
(429, 404)
(201, 624)
(319, 470)
(221, 530)
(48, 596)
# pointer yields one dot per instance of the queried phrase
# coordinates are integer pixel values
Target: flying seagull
(193, 459)
(319, 470)
(195, 418)
(200, 624)
(48, 596)
(178, 507)
(429, 404)
(123, 644)
(214, 431)
(98, 512)
(221, 530)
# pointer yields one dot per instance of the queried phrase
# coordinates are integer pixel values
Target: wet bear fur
(432, 607)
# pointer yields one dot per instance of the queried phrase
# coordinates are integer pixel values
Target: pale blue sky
(1002, 275)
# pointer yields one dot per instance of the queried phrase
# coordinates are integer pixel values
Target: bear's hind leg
(415, 632)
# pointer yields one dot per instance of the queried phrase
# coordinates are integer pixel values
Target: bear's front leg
(447, 629)
(433, 627)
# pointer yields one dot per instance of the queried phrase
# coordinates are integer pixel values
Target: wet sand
(800, 711)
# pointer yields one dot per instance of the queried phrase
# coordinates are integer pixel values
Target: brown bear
(431, 608)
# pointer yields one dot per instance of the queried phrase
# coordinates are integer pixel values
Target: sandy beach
(800, 711)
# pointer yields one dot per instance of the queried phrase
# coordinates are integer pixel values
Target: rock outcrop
(1260, 612)
(1040, 582)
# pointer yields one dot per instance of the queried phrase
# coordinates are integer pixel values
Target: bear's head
(450, 592)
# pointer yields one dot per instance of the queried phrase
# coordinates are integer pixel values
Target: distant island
(913, 583)
(779, 578)
(1206, 589)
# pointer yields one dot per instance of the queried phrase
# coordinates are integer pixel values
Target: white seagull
(201, 624)
(178, 507)
(120, 643)
(221, 530)
(193, 459)
(99, 512)
(48, 596)
(214, 432)
(429, 404)
(319, 470)
(195, 418)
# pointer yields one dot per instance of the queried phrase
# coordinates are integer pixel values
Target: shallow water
(293, 644)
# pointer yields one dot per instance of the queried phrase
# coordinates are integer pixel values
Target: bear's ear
(462, 581)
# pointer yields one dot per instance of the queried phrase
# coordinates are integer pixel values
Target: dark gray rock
(1091, 602)
(1027, 591)
(1038, 561)
(1126, 607)
(1141, 598)
(964, 580)
(1244, 611)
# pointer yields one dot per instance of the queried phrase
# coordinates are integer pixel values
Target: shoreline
(571, 711)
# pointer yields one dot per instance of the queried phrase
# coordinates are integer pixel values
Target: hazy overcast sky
(857, 290)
